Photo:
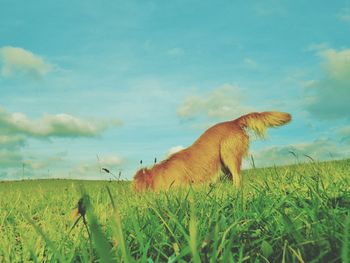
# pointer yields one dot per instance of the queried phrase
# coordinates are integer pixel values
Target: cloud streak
(111, 160)
(9, 141)
(45, 162)
(58, 125)
(10, 158)
(17, 60)
(328, 98)
(344, 133)
(17, 128)
(319, 150)
(91, 169)
(344, 15)
(221, 103)
(176, 52)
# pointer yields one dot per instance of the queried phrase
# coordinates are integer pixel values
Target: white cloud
(10, 158)
(175, 149)
(44, 162)
(270, 8)
(58, 125)
(223, 102)
(92, 170)
(111, 160)
(319, 150)
(10, 141)
(16, 129)
(191, 107)
(176, 52)
(18, 60)
(344, 15)
(14, 164)
(328, 98)
(250, 63)
(86, 170)
(337, 63)
(344, 133)
(317, 47)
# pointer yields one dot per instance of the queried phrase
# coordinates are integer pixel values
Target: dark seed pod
(106, 170)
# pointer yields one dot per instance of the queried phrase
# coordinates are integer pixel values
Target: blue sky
(130, 80)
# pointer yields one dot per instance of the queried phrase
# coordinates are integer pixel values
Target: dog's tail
(259, 122)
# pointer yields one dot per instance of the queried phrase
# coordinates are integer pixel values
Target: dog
(219, 148)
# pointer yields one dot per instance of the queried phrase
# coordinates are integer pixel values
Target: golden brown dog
(220, 147)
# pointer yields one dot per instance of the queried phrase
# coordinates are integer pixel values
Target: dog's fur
(221, 147)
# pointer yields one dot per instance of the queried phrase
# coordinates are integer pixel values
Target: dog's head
(142, 180)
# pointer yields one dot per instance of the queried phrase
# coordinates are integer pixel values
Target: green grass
(294, 213)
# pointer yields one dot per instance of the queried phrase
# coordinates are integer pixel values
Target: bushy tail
(259, 122)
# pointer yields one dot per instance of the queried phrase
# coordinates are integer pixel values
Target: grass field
(294, 213)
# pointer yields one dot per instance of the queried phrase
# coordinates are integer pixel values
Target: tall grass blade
(345, 251)
(193, 235)
(118, 230)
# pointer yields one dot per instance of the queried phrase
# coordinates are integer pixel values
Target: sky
(91, 84)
